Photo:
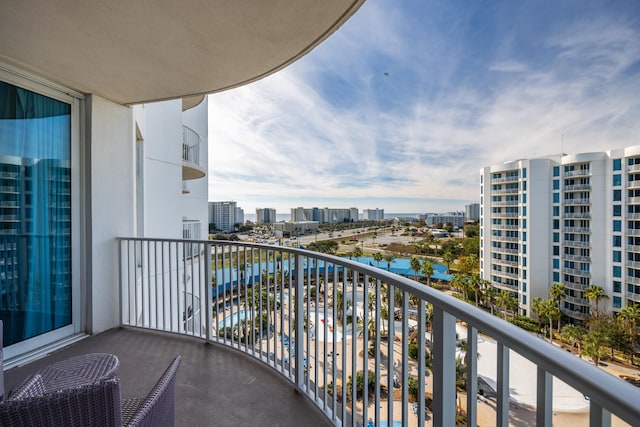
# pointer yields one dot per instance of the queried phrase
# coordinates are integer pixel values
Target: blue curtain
(35, 213)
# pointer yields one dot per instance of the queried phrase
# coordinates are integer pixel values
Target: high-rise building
(456, 219)
(265, 216)
(222, 216)
(571, 219)
(472, 211)
(239, 216)
(373, 214)
(324, 215)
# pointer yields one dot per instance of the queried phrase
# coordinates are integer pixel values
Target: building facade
(324, 215)
(472, 211)
(569, 219)
(222, 216)
(373, 214)
(455, 218)
(265, 216)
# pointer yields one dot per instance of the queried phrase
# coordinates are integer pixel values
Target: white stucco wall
(111, 133)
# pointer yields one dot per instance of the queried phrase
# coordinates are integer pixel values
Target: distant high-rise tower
(222, 216)
(265, 216)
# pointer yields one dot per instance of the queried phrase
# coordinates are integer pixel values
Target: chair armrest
(33, 386)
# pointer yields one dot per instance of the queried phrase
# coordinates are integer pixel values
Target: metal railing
(318, 320)
(190, 145)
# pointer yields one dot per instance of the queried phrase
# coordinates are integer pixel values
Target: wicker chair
(157, 409)
(92, 405)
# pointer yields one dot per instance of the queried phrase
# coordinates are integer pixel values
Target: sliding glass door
(36, 274)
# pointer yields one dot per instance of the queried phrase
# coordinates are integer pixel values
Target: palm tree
(552, 312)
(557, 293)
(475, 284)
(415, 266)
(427, 270)
(460, 282)
(389, 258)
(595, 293)
(505, 301)
(377, 257)
(447, 258)
(575, 334)
(489, 294)
(630, 316)
(537, 307)
(357, 252)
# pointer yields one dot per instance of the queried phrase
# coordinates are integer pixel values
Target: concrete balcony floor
(216, 386)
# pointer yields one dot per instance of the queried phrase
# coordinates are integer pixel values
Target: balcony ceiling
(148, 50)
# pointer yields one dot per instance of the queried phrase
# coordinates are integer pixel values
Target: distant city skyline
(402, 107)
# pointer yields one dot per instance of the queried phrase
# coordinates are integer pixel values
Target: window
(617, 210)
(556, 263)
(556, 184)
(617, 271)
(524, 286)
(524, 236)
(617, 241)
(617, 286)
(524, 299)
(556, 251)
(556, 197)
(524, 261)
(524, 172)
(524, 185)
(617, 180)
(37, 136)
(556, 171)
(617, 164)
(617, 195)
(524, 274)
(617, 256)
(524, 211)
(617, 302)
(556, 224)
(556, 237)
(617, 225)
(556, 276)
(524, 198)
(556, 211)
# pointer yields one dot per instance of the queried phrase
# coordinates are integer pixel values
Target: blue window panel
(556, 237)
(617, 164)
(617, 241)
(556, 276)
(556, 211)
(617, 286)
(617, 210)
(556, 197)
(617, 256)
(617, 195)
(617, 225)
(556, 184)
(617, 302)
(556, 263)
(556, 171)
(617, 179)
(617, 271)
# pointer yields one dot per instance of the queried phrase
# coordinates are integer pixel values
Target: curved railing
(316, 319)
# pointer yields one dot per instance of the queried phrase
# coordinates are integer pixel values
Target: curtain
(35, 213)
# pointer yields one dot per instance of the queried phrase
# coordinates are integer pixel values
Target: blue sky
(402, 106)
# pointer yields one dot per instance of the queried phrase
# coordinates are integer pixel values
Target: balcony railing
(191, 168)
(577, 172)
(318, 319)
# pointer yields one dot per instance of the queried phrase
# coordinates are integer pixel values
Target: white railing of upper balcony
(318, 319)
(190, 145)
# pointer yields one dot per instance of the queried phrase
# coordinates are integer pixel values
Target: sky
(402, 106)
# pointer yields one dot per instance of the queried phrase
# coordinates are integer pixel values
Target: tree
(460, 282)
(574, 334)
(427, 270)
(537, 306)
(357, 252)
(594, 344)
(377, 257)
(389, 258)
(595, 293)
(489, 295)
(557, 293)
(415, 266)
(630, 316)
(505, 301)
(447, 258)
(552, 312)
(475, 283)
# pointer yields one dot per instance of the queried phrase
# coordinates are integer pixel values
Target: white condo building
(222, 215)
(372, 214)
(265, 216)
(572, 219)
(324, 215)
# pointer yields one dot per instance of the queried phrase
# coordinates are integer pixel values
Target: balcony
(578, 258)
(511, 178)
(576, 187)
(582, 215)
(577, 201)
(191, 168)
(290, 364)
(576, 243)
(577, 172)
(582, 230)
(633, 168)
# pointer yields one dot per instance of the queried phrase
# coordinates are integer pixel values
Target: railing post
(502, 404)
(472, 375)
(544, 410)
(208, 294)
(598, 416)
(444, 368)
(299, 322)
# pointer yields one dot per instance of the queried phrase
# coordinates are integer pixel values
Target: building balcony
(576, 301)
(634, 280)
(633, 168)
(506, 191)
(577, 172)
(505, 179)
(633, 184)
(582, 230)
(582, 215)
(577, 187)
(281, 353)
(570, 202)
(633, 232)
(191, 168)
(576, 244)
(505, 215)
(504, 239)
(576, 272)
(504, 227)
(633, 248)
(506, 203)
(577, 258)
(576, 314)
(633, 200)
